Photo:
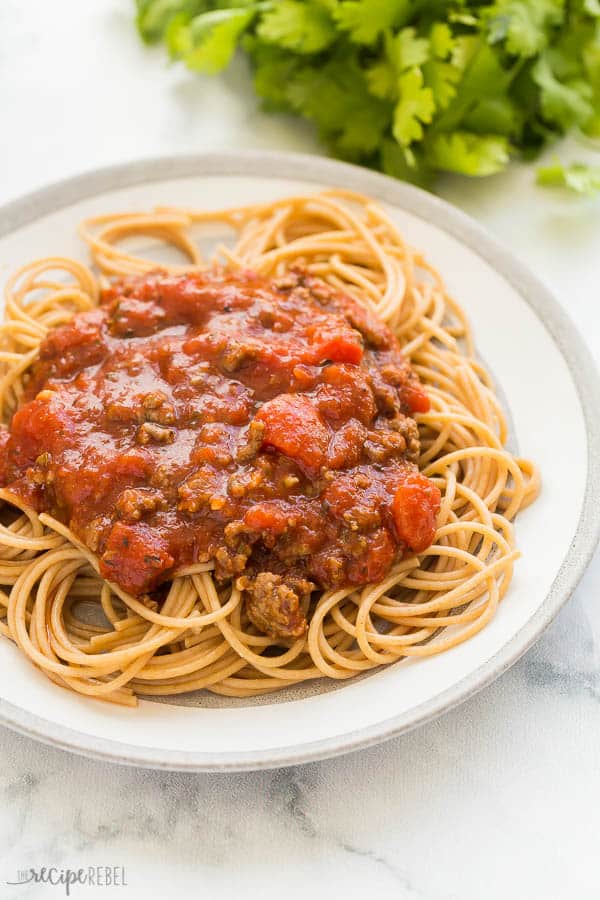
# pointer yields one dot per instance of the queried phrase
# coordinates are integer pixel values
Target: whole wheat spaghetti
(89, 635)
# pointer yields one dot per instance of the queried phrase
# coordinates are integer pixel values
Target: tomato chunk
(136, 558)
(413, 394)
(36, 427)
(343, 346)
(375, 563)
(75, 345)
(134, 317)
(294, 427)
(267, 517)
(415, 507)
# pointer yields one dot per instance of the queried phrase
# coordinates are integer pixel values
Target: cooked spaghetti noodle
(202, 638)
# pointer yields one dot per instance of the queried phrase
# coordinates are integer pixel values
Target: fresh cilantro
(411, 87)
(304, 27)
(441, 40)
(577, 177)
(442, 78)
(336, 98)
(400, 52)
(407, 50)
(499, 115)
(154, 16)
(468, 154)
(524, 27)
(408, 166)
(563, 104)
(382, 79)
(207, 42)
(274, 71)
(414, 108)
(365, 20)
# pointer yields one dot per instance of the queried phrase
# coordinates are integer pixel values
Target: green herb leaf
(407, 50)
(441, 40)
(382, 79)
(366, 20)
(468, 154)
(337, 99)
(154, 16)
(304, 27)
(524, 26)
(442, 78)
(207, 42)
(563, 104)
(578, 177)
(395, 161)
(414, 108)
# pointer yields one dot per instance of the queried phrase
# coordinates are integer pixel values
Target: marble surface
(499, 798)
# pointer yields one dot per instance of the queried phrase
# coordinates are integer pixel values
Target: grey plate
(431, 209)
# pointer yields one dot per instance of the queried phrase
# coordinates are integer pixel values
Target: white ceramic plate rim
(437, 212)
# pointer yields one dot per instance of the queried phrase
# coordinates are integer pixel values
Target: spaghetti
(92, 636)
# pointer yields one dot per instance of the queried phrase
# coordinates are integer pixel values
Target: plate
(550, 387)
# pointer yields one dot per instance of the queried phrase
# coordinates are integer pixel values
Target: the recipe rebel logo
(89, 876)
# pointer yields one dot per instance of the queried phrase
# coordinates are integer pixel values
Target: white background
(499, 798)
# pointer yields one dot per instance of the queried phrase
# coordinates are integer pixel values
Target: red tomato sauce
(264, 425)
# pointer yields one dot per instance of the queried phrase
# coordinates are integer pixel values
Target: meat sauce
(265, 425)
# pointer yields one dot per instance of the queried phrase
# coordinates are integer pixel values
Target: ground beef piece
(201, 490)
(382, 445)
(133, 503)
(237, 354)
(277, 606)
(150, 432)
(254, 439)
(155, 408)
(228, 563)
(408, 428)
(384, 392)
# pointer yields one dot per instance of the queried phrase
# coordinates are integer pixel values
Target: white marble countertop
(497, 799)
